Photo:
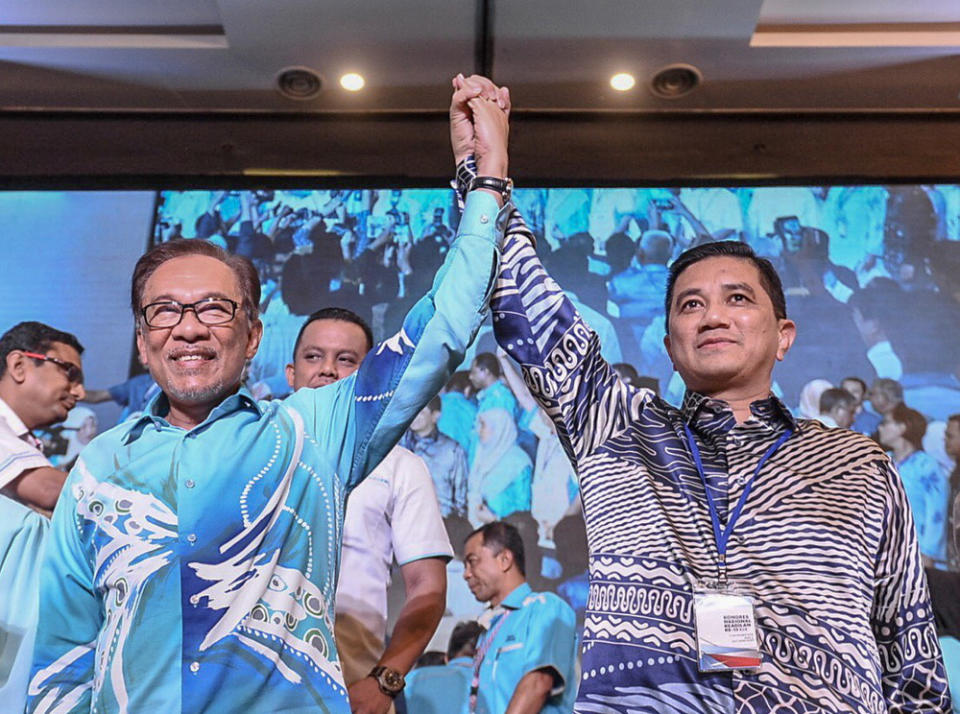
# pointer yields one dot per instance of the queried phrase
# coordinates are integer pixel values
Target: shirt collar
(515, 599)
(158, 404)
(13, 421)
(714, 416)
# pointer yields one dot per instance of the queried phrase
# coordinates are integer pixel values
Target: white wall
(67, 261)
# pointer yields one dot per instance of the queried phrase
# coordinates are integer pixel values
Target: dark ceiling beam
(483, 39)
(546, 148)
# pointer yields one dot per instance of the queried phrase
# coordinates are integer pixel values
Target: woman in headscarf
(810, 398)
(499, 482)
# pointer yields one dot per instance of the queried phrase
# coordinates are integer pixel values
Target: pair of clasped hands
(479, 124)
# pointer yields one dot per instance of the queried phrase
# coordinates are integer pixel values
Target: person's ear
(787, 333)
(16, 366)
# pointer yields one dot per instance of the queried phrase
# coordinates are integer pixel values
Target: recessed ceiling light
(622, 82)
(352, 82)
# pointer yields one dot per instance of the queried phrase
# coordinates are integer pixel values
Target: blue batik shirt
(825, 544)
(195, 571)
(928, 489)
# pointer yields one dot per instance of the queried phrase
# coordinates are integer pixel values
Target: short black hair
(499, 536)
(33, 337)
(769, 278)
(464, 634)
(489, 362)
(953, 417)
(335, 313)
(914, 422)
(863, 385)
(835, 397)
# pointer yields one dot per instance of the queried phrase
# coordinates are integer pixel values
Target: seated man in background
(394, 512)
(837, 408)
(818, 601)
(525, 661)
(193, 557)
(445, 688)
(40, 382)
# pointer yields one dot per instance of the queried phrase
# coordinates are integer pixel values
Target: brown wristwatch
(390, 681)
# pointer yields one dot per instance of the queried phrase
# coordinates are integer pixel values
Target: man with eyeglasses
(193, 562)
(40, 382)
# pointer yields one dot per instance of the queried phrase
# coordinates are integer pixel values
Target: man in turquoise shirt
(193, 555)
(525, 661)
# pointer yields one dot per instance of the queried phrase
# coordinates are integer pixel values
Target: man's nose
(190, 326)
(716, 314)
(78, 391)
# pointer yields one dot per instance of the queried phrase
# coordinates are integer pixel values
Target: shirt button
(194, 667)
(189, 483)
(192, 538)
(484, 218)
(194, 599)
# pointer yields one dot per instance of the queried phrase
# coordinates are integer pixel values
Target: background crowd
(871, 274)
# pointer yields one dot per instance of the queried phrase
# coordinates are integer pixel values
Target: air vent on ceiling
(675, 81)
(298, 83)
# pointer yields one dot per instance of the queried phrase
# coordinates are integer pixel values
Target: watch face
(392, 679)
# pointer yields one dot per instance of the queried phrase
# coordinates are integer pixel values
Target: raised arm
(538, 326)
(372, 408)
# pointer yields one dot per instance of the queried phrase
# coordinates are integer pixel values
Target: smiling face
(196, 365)
(328, 350)
(724, 335)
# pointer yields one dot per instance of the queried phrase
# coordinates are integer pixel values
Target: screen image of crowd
(871, 274)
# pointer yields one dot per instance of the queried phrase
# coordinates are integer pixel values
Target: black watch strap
(503, 186)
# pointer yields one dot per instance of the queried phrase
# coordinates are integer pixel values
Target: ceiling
(225, 55)
(120, 89)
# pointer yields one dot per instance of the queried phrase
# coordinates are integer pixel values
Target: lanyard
(479, 656)
(722, 535)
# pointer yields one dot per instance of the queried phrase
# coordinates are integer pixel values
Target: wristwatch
(391, 682)
(503, 186)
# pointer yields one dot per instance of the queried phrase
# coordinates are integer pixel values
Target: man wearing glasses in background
(193, 559)
(40, 381)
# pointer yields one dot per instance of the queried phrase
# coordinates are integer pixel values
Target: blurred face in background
(951, 439)
(855, 388)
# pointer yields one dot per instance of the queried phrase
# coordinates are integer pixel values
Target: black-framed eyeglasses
(209, 311)
(73, 372)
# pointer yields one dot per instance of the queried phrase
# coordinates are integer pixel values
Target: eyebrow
(163, 297)
(734, 287)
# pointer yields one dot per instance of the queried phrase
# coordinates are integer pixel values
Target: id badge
(726, 627)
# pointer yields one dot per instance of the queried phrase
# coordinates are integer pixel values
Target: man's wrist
(390, 681)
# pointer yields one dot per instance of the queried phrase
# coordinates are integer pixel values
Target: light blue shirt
(196, 570)
(928, 490)
(23, 533)
(537, 634)
(440, 689)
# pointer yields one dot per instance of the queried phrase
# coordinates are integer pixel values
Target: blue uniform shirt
(539, 633)
(441, 689)
(196, 570)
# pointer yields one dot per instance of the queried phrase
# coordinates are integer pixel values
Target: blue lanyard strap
(722, 535)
